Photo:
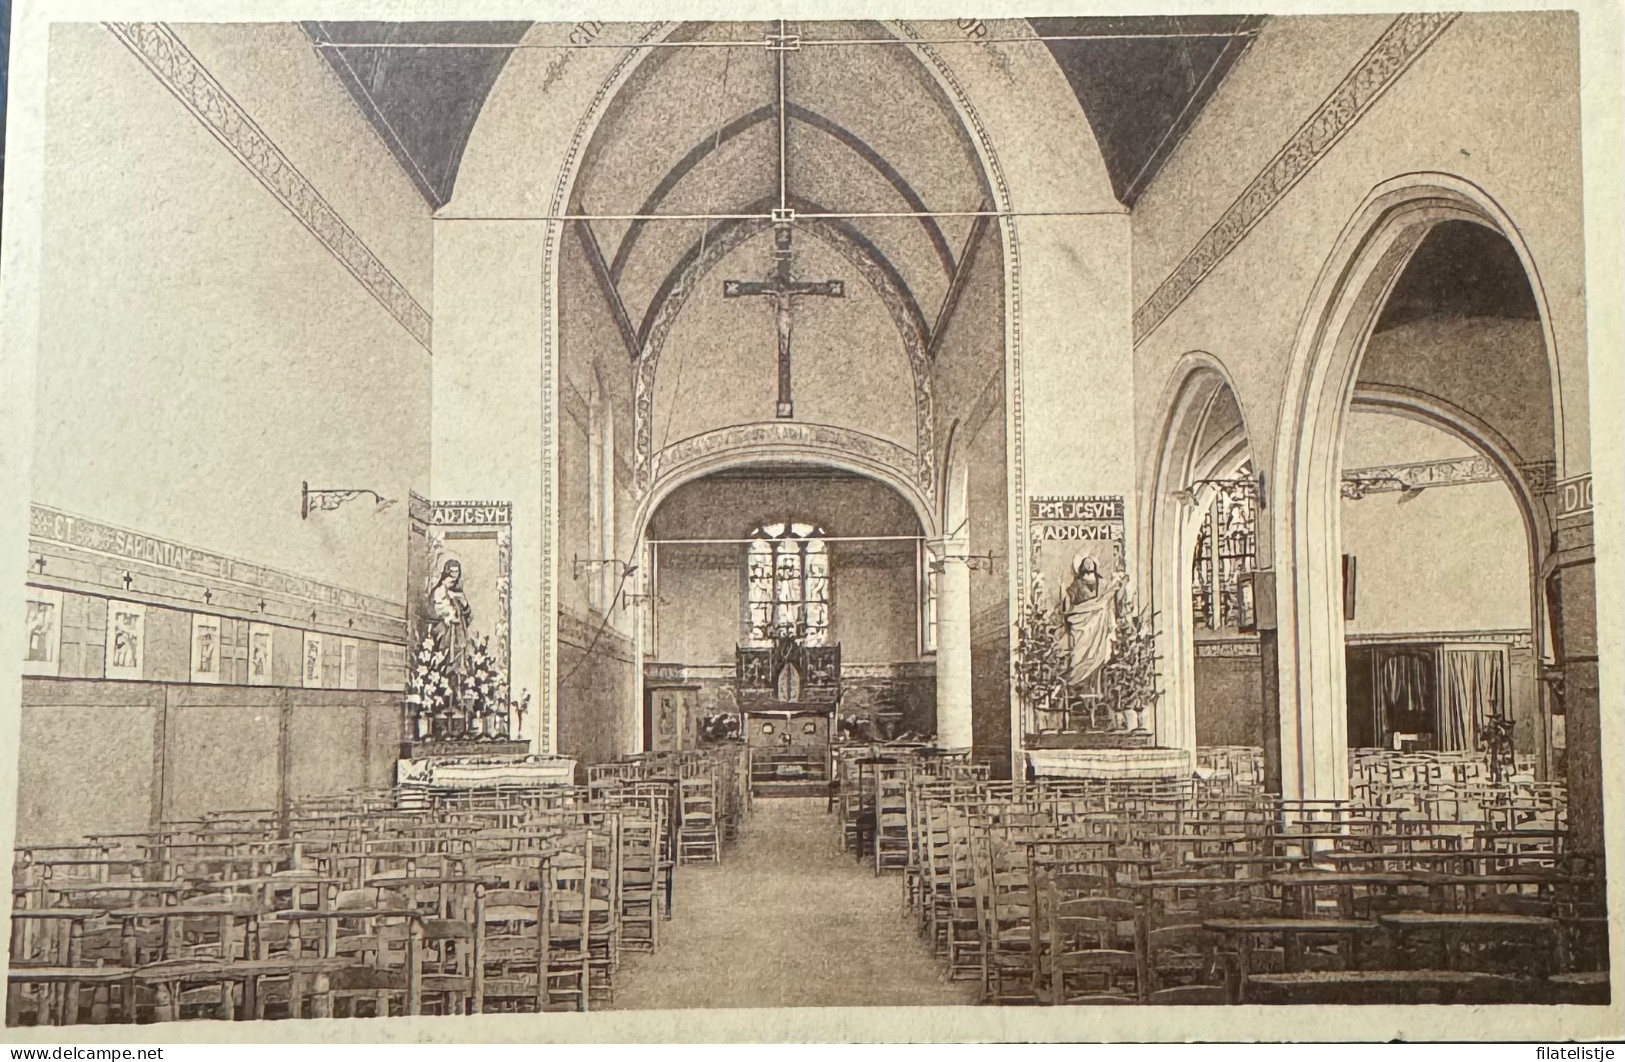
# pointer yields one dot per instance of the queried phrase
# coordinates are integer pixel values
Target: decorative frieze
(1514, 639)
(173, 64)
(1416, 475)
(1406, 38)
(770, 435)
(1227, 649)
(677, 673)
(75, 553)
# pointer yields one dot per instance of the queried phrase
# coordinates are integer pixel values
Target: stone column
(1572, 594)
(953, 644)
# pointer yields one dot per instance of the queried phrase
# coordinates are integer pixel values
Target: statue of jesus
(1089, 609)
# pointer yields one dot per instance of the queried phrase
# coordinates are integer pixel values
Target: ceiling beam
(612, 294)
(950, 301)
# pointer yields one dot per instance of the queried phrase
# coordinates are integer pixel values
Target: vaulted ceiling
(696, 131)
(1142, 82)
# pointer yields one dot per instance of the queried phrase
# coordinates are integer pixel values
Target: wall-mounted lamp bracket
(580, 565)
(1241, 484)
(328, 499)
(1355, 487)
(976, 562)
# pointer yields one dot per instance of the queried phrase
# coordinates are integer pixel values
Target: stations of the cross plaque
(782, 288)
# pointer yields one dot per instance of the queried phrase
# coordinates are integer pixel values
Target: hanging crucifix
(781, 288)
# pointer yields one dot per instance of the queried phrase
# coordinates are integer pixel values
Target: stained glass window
(788, 583)
(1226, 547)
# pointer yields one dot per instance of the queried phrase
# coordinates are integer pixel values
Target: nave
(788, 919)
(918, 881)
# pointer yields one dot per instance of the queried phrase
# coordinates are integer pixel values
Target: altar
(418, 777)
(1148, 764)
(788, 695)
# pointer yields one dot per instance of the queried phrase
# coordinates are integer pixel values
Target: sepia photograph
(1013, 516)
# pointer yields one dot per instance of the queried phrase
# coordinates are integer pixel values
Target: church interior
(1061, 511)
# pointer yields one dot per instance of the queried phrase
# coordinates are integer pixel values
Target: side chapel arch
(1198, 382)
(1350, 294)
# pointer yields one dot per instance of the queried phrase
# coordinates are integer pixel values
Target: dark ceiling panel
(422, 101)
(1141, 93)
(1141, 81)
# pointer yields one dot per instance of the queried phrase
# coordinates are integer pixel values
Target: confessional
(788, 693)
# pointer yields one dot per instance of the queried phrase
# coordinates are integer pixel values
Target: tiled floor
(787, 920)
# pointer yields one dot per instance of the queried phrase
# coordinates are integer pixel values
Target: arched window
(788, 583)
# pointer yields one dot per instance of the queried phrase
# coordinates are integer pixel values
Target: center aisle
(788, 920)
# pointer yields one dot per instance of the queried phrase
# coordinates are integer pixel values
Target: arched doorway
(1431, 308)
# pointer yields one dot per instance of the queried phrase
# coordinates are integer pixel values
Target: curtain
(1404, 691)
(1474, 690)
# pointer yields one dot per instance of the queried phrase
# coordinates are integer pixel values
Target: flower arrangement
(443, 704)
(430, 695)
(1041, 660)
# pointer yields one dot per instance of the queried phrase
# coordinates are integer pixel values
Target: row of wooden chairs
(870, 793)
(1237, 767)
(713, 794)
(1101, 892)
(480, 901)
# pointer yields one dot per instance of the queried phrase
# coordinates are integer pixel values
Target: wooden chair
(641, 884)
(50, 980)
(1082, 949)
(699, 839)
(1005, 909)
(891, 829)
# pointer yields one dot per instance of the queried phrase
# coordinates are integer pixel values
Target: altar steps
(767, 790)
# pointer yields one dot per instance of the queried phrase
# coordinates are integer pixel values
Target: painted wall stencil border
(1015, 442)
(1227, 648)
(1513, 638)
(1405, 39)
(1015, 421)
(166, 56)
(76, 553)
(1442, 472)
(769, 437)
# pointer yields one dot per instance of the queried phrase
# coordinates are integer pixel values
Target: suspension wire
(828, 42)
(831, 215)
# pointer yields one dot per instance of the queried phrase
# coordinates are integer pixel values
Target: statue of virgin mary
(449, 617)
